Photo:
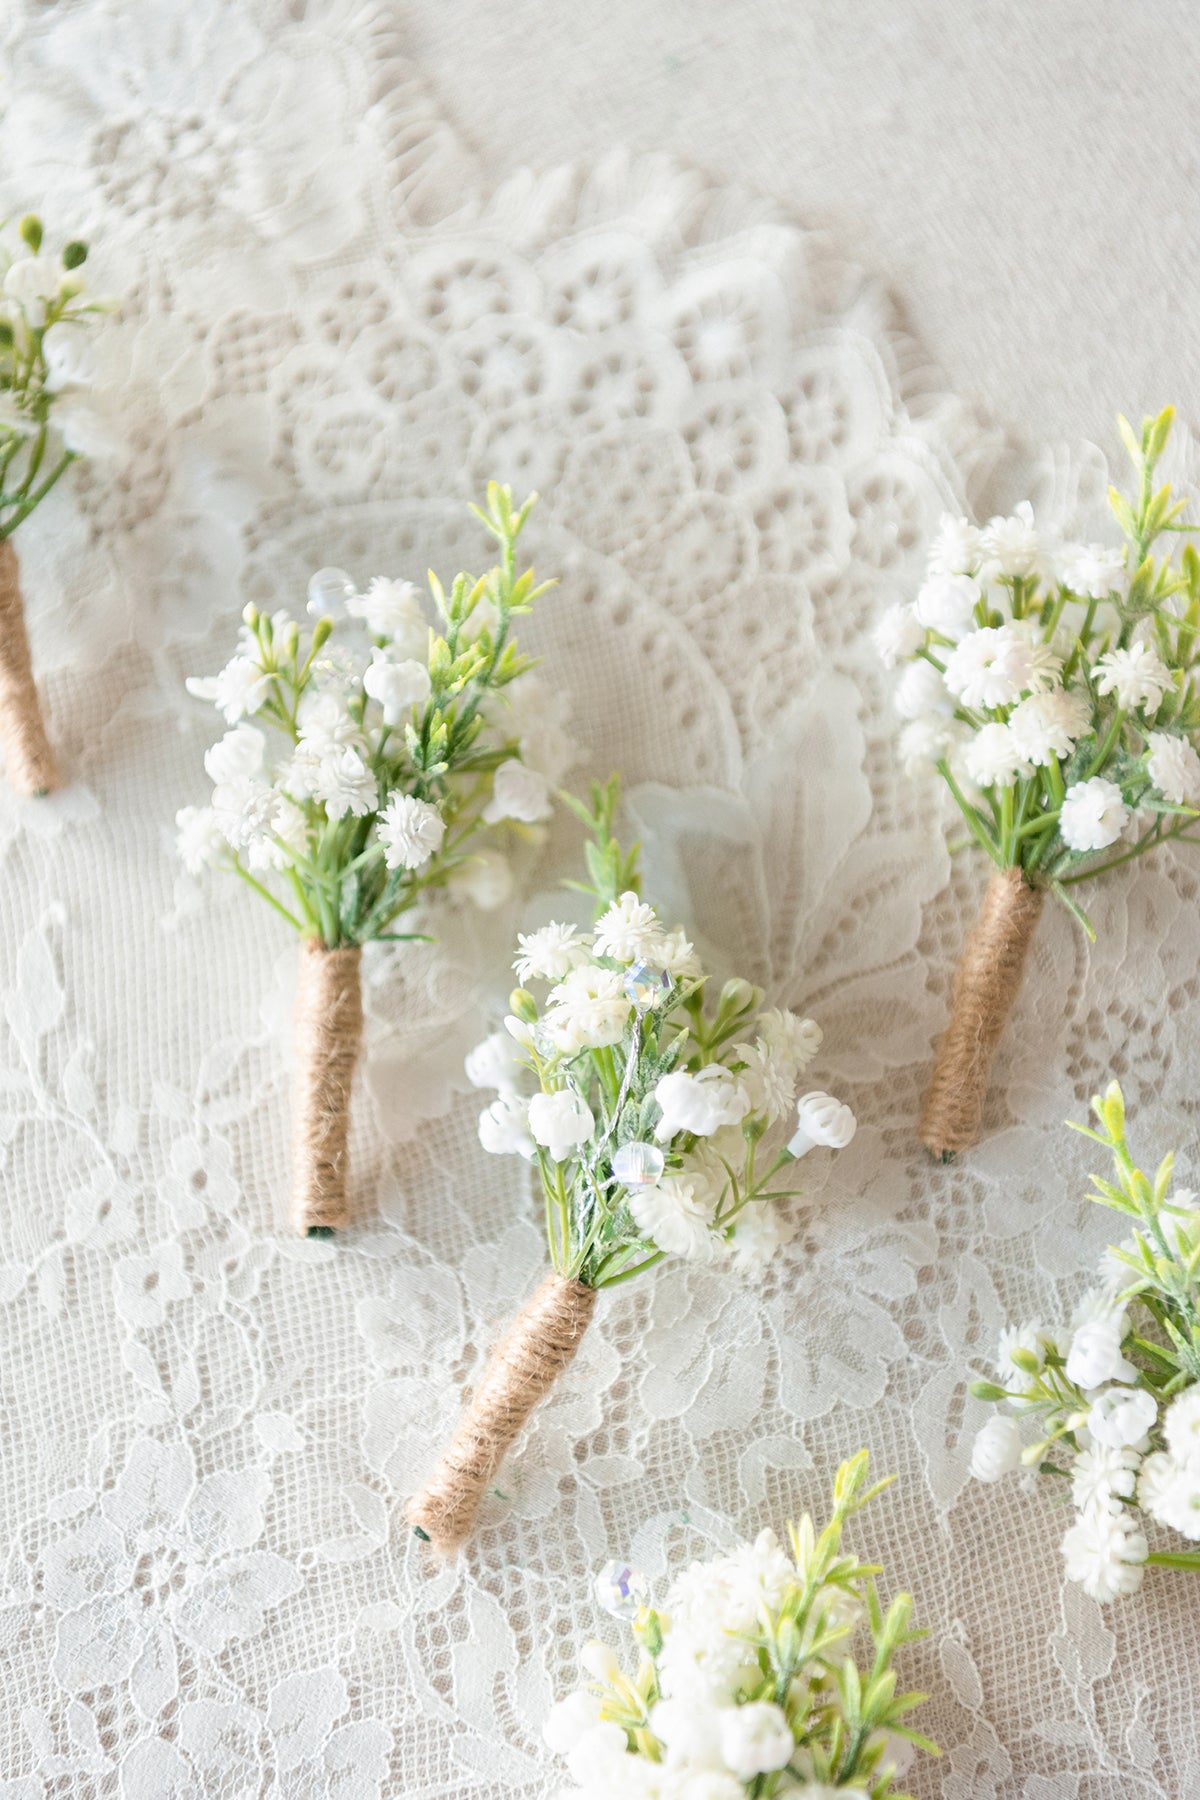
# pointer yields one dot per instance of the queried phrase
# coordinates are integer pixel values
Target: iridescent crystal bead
(646, 984)
(621, 1590)
(328, 592)
(638, 1165)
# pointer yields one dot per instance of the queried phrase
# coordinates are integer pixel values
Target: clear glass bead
(328, 592)
(638, 1165)
(646, 984)
(621, 1590)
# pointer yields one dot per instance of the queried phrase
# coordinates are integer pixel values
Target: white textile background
(336, 330)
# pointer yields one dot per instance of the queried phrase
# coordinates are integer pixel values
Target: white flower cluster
(701, 1721)
(624, 1103)
(1128, 1451)
(46, 366)
(392, 749)
(1008, 655)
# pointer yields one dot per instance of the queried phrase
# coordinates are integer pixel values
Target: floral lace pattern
(335, 332)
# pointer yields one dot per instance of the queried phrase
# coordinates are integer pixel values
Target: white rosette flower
(821, 1120)
(560, 1122)
(700, 1103)
(997, 1449)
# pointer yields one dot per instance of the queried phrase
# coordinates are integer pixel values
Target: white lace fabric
(335, 334)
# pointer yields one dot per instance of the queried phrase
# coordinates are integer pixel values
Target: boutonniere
(366, 762)
(1052, 686)
(46, 318)
(644, 1101)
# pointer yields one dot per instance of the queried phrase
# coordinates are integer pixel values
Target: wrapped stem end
(985, 991)
(329, 1024)
(28, 759)
(539, 1344)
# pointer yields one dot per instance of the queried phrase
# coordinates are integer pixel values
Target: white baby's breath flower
(760, 1230)
(992, 758)
(795, 1039)
(560, 1122)
(1092, 570)
(238, 754)
(990, 668)
(997, 1449)
(1106, 1554)
(700, 1103)
(1181, 1426)
(588, 1010)
(517, 793)
(1010, 546)
(200, 842)
(398, 686)
(1173, 767)
(549, 953)
(628, 930)
(1155, 1478)
(898, 635)
(392, 609)
(1045, 726)
(325, 723)
(921, 690)
(1138, 676)
(946, 604)
(410, 830)
(1093, 815)
(1045, 660)
(1104, 1477)
(677, 954)
(504, 1126)
(344, 784)
(769, 1079)
(237, 691)
(676, 1213)
(1120, 1416)
(955, 549)
(1177, 1499)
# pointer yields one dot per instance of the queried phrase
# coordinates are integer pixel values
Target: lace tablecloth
(335, 332)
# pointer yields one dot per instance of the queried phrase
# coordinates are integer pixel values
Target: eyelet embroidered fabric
(334, 334)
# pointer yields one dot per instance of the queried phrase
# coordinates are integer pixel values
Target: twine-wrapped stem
(985, 989)
(28, 759)
(329, 1022)
(539, 1344)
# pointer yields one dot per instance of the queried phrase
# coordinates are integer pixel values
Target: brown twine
(539, 1344)
(985, 988)
(328, 1036)
(28, 758)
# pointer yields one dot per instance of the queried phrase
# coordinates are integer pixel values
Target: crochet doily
(335, 332)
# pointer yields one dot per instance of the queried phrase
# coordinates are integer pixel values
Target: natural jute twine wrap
(329, 1023)
(539, 1344)
(985, 988)
(28, 758)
